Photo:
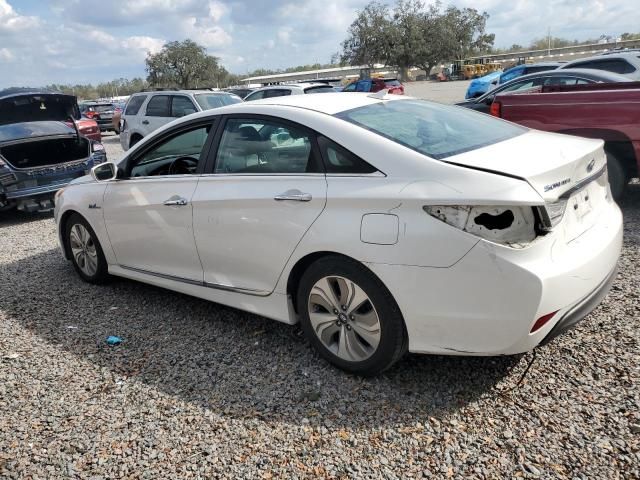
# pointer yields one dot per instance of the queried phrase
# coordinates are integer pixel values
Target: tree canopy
(414, 34)
(184, 65)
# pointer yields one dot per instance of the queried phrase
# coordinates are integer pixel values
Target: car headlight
(511, 226)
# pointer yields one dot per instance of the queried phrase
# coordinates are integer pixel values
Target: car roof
(539, 64)
(300, 85)
(609, 56)
(328, 103)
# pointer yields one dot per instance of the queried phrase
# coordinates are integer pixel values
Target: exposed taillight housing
(496, 109)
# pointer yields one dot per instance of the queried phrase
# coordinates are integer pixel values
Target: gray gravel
(197, 390)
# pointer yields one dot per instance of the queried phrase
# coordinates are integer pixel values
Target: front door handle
(145, 122)
(176, 201)
(294, 195)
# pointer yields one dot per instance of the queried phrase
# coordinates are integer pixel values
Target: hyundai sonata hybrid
(381, 223)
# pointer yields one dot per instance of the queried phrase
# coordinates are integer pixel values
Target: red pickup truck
(610, 112)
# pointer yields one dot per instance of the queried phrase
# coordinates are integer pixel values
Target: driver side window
(177, 155)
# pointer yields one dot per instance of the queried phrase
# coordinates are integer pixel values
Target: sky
(89, 41)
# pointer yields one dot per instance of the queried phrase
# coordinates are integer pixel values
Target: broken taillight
(511, 226)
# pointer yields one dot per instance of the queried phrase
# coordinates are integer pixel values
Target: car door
(148, 213)
(158, 113)
(265, 189)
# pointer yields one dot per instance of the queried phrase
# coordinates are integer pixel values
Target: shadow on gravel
(231, 362)
(226, 360)
(15, 217)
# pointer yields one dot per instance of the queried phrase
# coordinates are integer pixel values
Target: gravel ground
(197, 390)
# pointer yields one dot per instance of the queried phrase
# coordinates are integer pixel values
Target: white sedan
(381, 223)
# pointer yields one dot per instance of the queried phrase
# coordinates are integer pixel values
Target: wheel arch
(303, 263)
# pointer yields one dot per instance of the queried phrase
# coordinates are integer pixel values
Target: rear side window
(159, 106)
(181, 106)
(339, 160)
(320, 89)
(134, 104)
(280, 92)
(255, 96)
(438, 131)
(614, 65)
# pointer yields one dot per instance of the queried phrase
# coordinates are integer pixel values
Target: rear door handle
(176, 201)
(293, 195)
(145, 122)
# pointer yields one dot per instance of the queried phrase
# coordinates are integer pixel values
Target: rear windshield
(322, 89)
(208, 101)
(438, 131)
(101, 108)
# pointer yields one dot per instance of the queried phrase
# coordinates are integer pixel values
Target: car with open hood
(41, 148)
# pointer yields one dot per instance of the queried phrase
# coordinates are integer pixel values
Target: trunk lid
(552, 163)
(23, 106)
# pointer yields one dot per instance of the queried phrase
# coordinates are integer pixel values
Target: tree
(185, 65)
(368, 37)
(465, 29)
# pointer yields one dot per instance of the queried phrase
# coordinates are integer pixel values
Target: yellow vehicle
(481, 70)
(493, 67)
(469, 71)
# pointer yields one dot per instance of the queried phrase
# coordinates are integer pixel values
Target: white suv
(289, 89)
(147, 111)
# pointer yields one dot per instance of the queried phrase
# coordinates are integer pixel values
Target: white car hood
(552, 163)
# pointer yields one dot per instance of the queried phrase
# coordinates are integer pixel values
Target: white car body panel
(458, 293)
(245, 236)
(148, 235)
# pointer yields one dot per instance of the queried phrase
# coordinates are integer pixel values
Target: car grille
(7, 178)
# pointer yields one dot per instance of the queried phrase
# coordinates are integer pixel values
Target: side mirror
(104, 172)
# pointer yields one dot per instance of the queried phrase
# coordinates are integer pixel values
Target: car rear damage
(39, 152)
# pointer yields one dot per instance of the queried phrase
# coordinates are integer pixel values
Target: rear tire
(86, 253)
(135, 139)
(350, 317)
(617, 176)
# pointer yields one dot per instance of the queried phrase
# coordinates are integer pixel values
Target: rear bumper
(571, 318)
(488, 302)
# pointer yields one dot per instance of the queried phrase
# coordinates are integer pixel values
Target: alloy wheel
(83, 249)
(344, 318)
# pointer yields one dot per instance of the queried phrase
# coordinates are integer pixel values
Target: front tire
(350, 317)
(86, 253)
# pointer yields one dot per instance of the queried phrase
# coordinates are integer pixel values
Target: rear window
(437, 131)
(320, 89)
(208, 101)
(609, 65)
(101, 108)
(134, 104)
(392, 83)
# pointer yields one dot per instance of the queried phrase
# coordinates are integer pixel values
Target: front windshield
(438, 131)
(208, 101)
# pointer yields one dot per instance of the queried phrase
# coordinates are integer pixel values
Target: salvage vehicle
(41, 149)
(286, 89)
(379, 222)
(88, 128)
(537, 80)
(605, 111)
